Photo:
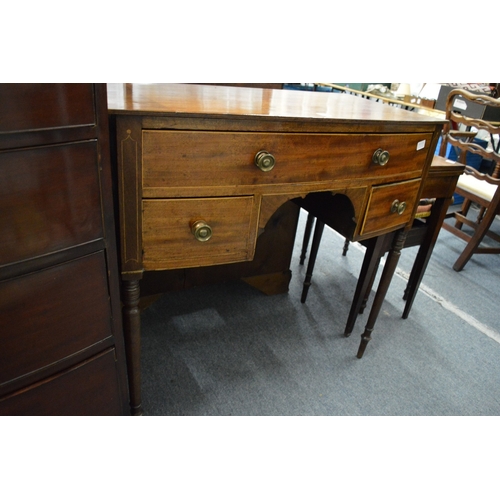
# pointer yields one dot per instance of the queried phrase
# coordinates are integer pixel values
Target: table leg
(132, 334)
(373, 254)
(387, 274)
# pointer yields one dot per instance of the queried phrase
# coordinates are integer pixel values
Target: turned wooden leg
(387, 274)
(307, 235)
(132, 334)
(318, 233)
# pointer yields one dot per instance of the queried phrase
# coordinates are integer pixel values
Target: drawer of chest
(30, 106)
(49, 200)
(390, 206)
(203, 159)
(192, 232)
(50, 315)
(89, 388)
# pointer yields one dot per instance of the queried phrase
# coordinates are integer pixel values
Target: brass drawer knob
(201, 230)
(265, 161)
(398, 207)
(380, 157)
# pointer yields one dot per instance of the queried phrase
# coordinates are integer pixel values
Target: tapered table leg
(373, 254)
(387, 274)
(132, 334)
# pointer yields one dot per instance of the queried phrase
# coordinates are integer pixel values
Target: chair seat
(475, 186)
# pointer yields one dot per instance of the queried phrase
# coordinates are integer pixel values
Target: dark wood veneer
(34, 106)
(61, 343)
(77, 391)
(42, 328)
(49, 199)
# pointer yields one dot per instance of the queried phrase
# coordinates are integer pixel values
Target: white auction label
(420, 145)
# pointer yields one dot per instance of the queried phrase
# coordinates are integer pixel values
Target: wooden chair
(476, 188)
(376, 248)
(439, 186)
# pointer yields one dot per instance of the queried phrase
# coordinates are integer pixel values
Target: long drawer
(179, 233)
(52, 314)
(202, 159)
(89, 388)
(31, 106)
(49, 200)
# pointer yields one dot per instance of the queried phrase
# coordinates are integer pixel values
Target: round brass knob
(380, 157)
(265, 161)
(201, 230)
(398, 207)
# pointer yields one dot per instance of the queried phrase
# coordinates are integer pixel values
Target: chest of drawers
(61, 342)
(201, 170)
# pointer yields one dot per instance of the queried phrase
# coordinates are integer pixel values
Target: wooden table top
(239, 102)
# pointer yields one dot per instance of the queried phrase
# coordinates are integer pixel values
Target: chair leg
(434, 223)
(475, 240)
(318, 232)
(307, 235)
(480, 215)
(464, 211)
(346, 247)
(370, 286)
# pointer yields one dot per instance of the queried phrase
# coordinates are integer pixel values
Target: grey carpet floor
(230, 350)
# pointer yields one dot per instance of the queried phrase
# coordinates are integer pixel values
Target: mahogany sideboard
(61, 339)
(202, 169)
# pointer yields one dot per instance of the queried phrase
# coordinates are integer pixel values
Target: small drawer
(179, 233)
(205, 159)
(50, 315)
(49, 200)
(385, 209)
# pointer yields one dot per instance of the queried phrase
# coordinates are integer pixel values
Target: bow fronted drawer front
(176, 162)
